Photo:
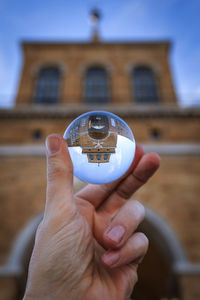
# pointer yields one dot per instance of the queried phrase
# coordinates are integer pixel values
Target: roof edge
(25, 43)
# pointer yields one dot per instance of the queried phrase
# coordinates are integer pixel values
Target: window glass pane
(91, 156)
(98, 156)
(83, 122)
(96, 86)
(144, 85)
(112, 122)
(105, 156)
(47, 86)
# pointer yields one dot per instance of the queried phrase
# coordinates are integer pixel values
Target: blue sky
(175, 20)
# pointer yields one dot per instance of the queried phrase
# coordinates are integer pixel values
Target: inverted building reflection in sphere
(101, 146)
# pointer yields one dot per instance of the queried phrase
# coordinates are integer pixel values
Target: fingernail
(116, 233)
(53, 143)
(111, 258)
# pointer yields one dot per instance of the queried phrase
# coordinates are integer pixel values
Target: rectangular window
(105, 156)
(83, 122)
(91, 156)
(112, 122)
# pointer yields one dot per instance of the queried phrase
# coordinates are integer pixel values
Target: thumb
(59, 173)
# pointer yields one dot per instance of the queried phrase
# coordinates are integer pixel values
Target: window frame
(150, 87)
(47, 84)
(95, 96)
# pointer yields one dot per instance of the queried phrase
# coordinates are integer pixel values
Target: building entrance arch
(157, 274)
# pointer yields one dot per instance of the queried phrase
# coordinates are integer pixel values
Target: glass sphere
(101, 146)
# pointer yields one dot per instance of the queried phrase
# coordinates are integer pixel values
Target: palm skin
(72, 242)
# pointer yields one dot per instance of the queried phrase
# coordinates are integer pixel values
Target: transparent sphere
(101, 146)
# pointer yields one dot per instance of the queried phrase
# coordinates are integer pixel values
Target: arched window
(144, 85)
(47, 86)
(96, 86)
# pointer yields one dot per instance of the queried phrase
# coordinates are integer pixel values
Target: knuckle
(132, 279)
(54, 173)
(38, 231)
(59, 217)
(143, 240)
(135, 278)
(139, 208)
(56, 169)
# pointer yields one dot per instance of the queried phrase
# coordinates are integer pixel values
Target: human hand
(85, 246)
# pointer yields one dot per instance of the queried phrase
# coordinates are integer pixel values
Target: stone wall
(149, 124)
(173, 193)
(119, 59)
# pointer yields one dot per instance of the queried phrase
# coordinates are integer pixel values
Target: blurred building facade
(59, 81)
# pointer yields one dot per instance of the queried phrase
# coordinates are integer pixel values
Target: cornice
(54, 112)
(102, 42)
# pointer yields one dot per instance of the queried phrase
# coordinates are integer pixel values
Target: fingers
(131, 253)
(59, 173)
(96, 194)
(124, 224)
(146, 167)
(123, 246)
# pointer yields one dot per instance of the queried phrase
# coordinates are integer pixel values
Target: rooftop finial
(95, 17)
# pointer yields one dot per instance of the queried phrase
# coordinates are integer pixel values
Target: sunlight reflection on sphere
(101, 146)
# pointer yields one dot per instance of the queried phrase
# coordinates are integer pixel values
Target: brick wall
(119, 59)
